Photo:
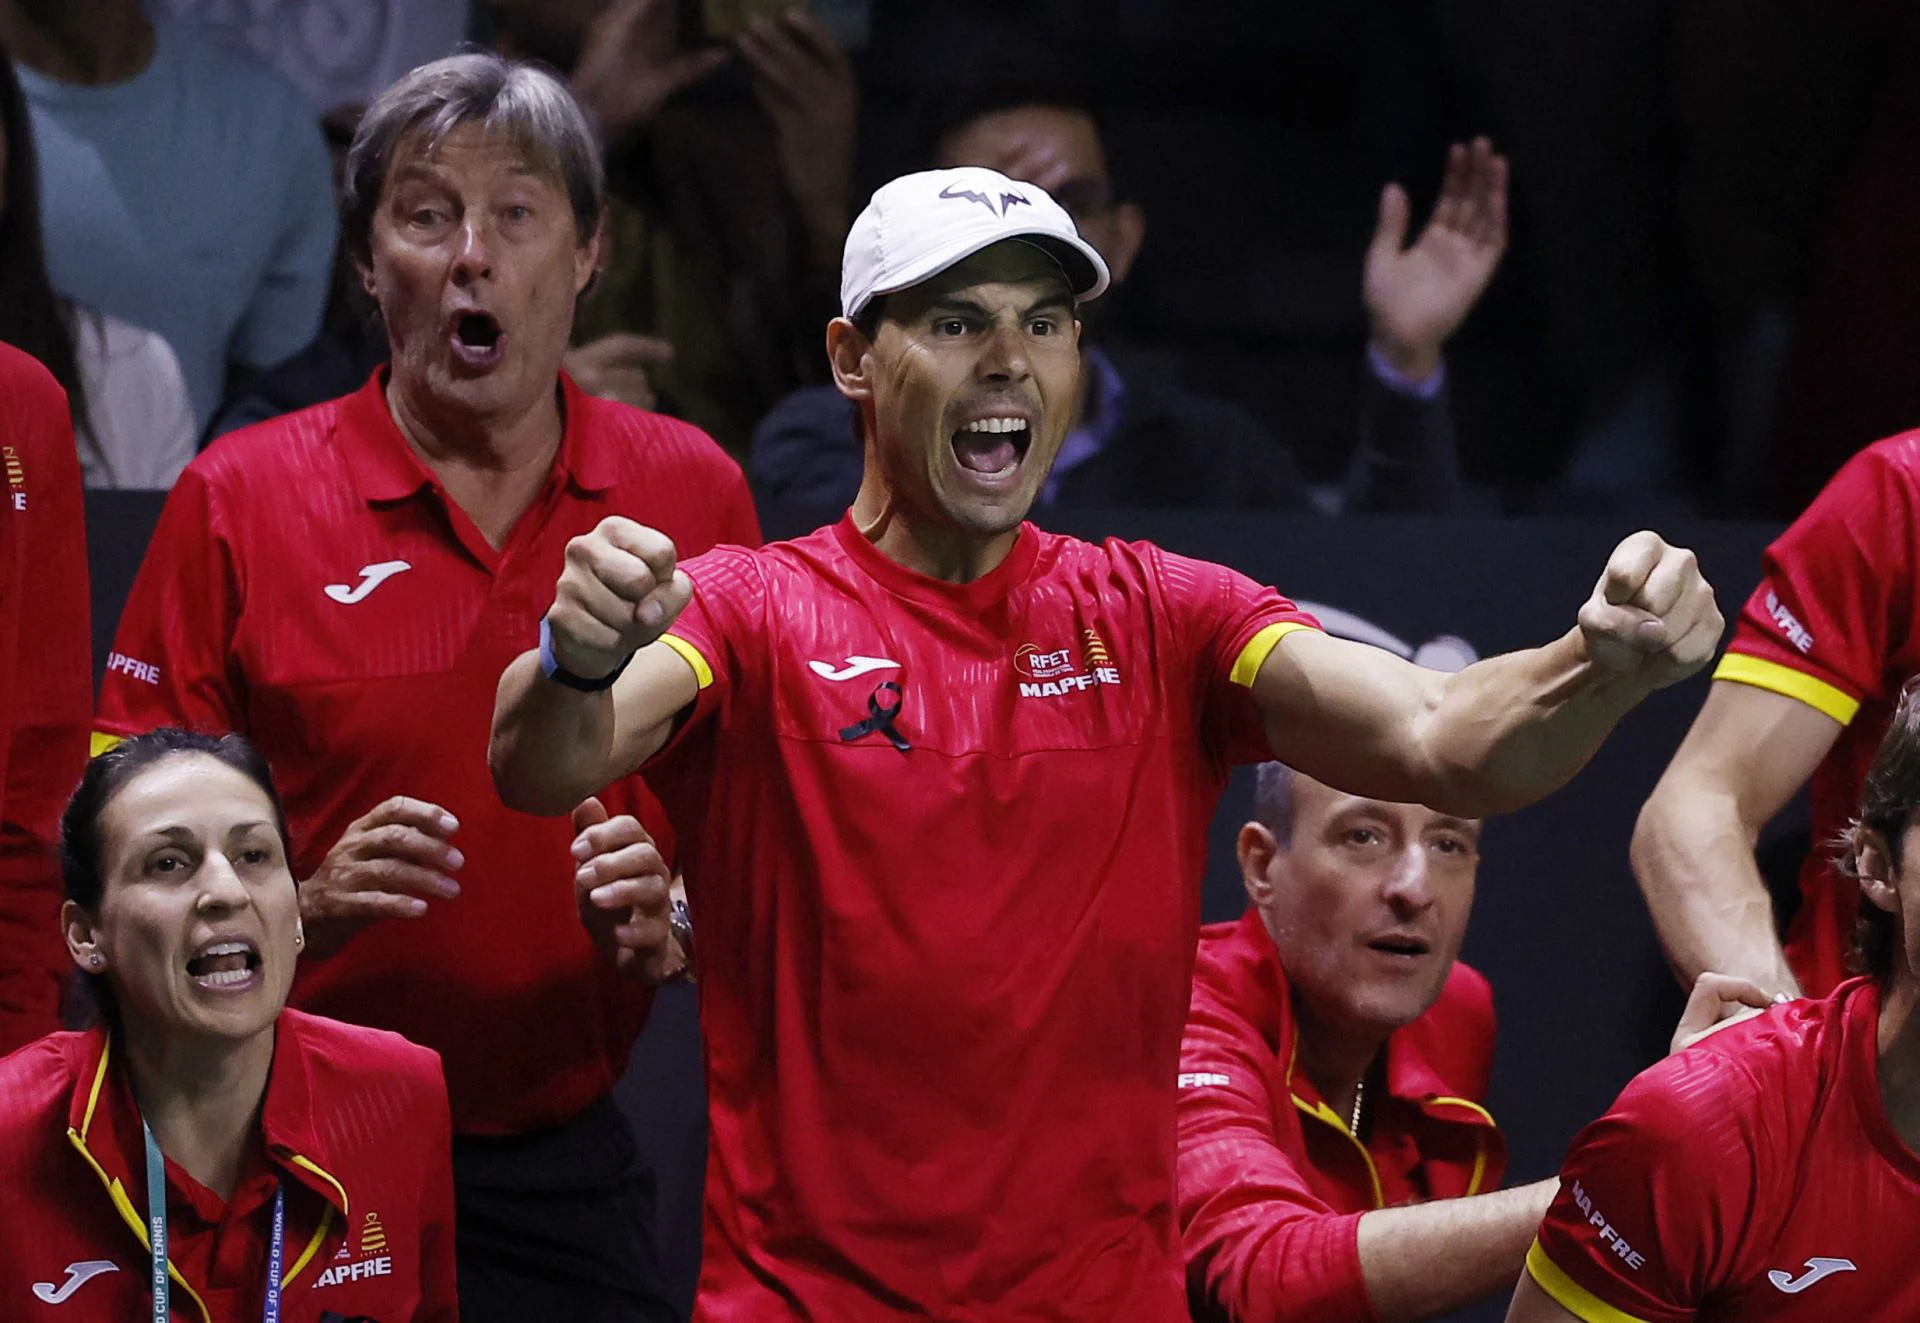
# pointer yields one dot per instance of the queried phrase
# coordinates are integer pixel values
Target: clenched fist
(1652, 617)
(620, 590)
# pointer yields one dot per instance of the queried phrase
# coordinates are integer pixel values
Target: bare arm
(1532, 1305)
(1424, 1259)
(1489, 739)
(554, 746)
(1749, 750)
(1504, 731)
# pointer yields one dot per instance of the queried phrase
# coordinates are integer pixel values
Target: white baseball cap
(921, 224)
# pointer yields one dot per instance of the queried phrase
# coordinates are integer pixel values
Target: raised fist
(620, 591)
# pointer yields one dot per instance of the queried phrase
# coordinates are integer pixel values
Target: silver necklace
(1359, 1101)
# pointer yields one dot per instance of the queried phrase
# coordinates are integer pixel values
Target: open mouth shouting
(225, 964)
(477, 341)
(991, 449)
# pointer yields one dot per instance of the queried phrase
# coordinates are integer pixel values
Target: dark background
(1584, 997)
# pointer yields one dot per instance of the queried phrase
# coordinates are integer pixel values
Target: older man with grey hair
(344, 585)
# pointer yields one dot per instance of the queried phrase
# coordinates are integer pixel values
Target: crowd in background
(1685, 318)
(1431, 259)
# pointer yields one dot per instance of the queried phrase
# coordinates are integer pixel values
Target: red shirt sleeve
(1230, 623)
(1258, 1242)
(170, 660)
(718, 634)
(44, 710)
(1837, 590)
(1653, 1195)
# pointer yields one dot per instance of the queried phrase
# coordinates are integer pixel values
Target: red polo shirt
(945, 963)
(353, 1129)
(1271, 1182)
(1832, 625)
(312, 586)
(46, 685)
(1754, 1177)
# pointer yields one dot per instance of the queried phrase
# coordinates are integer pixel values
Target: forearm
(1693, 857)
(1406, 460)
(1509, 730)
(552, 746)
(1424, 1259)
(1489, 739)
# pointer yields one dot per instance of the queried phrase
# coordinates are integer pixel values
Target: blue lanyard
(157, 1237)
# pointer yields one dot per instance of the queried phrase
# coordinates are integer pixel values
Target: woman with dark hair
(1770, 1171)
(132, 420)
(203, 1149)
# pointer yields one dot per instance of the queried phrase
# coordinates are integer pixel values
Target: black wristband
(559, 674)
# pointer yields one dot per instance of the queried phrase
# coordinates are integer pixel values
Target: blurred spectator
(1850, 377)
(46, 686)
(729, 181)
(1770, 100)
(183, 189)
(131, 418)
(1138, 437)
(337, 52)
(352, 340)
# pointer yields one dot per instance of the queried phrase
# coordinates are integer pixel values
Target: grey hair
(521, 101)
(1273, 801)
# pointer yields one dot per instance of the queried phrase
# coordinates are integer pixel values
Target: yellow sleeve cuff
(691, 655)
(1569, 1294)
(1254, 655)
(1764, 674)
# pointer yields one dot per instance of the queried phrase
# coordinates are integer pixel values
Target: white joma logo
(1816, 1269)
(856, 665)
(371, 577)
(78, 1275)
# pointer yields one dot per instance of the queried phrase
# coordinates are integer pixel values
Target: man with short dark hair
(1337, 1160)
(942, 782)
(1336, 1157)
(184, 188)
(343, 586)
(1137, 436)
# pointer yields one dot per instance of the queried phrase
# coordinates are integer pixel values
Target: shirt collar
(971, 598)
(384, 466)
(103, 1121)
(1412, 1076)
(1857, 1002)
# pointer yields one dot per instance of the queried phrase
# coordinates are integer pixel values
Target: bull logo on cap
(985, 200)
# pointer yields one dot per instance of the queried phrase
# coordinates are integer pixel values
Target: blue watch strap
(559, 674)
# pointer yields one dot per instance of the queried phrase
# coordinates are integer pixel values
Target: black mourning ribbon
(880, 718)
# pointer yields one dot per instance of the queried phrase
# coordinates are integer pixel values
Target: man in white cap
(943, 780)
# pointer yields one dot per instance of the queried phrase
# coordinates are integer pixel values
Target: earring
(299, 937)
(96, 960)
